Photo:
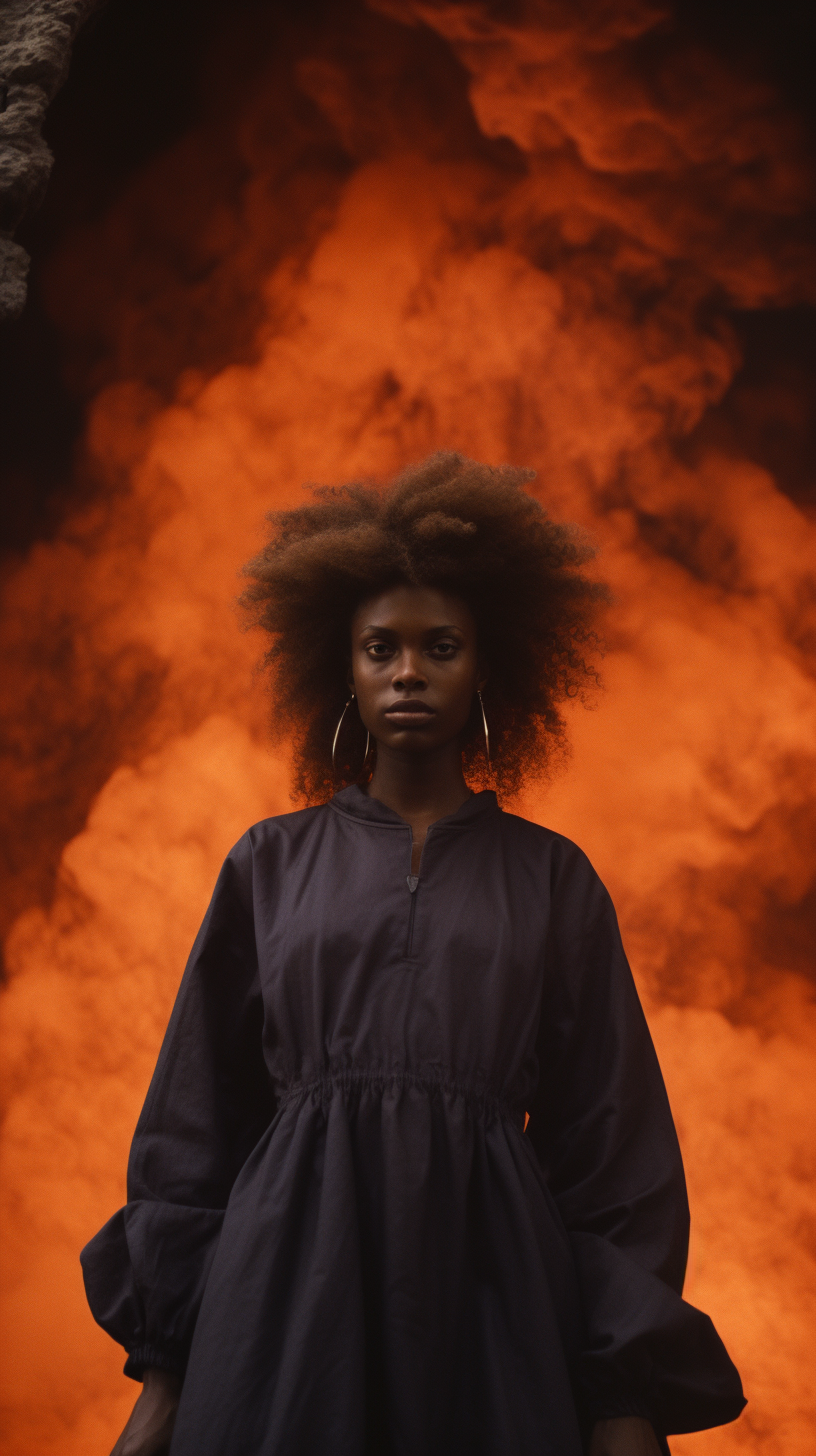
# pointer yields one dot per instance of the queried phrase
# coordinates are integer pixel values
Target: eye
(445, 648)
(378, 649)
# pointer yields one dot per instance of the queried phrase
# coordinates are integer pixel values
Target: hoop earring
(337, 735)
(484, 725)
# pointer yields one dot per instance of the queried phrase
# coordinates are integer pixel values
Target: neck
(420, 787)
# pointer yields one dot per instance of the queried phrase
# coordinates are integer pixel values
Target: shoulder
(538, 839)
(254, 865)
(280, 834)
(266, 848)
(287, 828)
(569, 869)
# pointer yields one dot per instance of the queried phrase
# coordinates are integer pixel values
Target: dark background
(143, 74)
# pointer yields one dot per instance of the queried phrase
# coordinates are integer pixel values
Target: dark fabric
(337, 1228)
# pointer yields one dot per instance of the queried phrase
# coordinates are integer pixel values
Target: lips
(409, 713)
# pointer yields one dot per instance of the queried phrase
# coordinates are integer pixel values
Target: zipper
(413, 881)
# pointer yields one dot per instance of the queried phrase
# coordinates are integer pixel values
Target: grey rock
(35, 49)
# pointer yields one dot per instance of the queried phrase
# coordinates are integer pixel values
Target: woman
(406, 1179)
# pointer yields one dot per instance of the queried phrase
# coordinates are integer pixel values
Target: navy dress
(338, 1229)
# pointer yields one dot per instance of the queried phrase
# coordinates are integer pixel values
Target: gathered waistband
(351, 1081)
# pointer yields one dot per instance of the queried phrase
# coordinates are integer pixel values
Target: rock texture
(35, 48)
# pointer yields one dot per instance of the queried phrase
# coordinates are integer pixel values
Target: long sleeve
(601, 1126)
(208, 1103)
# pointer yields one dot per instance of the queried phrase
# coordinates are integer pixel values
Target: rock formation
(35, 48)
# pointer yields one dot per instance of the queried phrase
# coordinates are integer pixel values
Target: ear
(481, 668)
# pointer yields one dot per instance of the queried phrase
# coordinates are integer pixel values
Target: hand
(623, 1436)
(151, 1421)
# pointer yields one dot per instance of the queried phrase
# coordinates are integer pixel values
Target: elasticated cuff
(609, 1409)
(153, 1357)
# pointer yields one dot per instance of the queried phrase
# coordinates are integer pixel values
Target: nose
(408, 674)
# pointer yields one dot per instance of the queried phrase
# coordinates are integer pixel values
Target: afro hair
(462, 527)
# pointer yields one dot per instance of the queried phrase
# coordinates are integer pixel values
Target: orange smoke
(423, 227)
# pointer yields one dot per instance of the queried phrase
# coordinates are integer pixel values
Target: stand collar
(357, 804)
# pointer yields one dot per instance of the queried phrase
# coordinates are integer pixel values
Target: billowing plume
(426, 226)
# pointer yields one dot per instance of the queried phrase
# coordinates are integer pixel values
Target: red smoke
(423, 227)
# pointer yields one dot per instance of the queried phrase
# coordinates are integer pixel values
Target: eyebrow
(374, 627)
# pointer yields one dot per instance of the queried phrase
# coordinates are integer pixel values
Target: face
(414, 667)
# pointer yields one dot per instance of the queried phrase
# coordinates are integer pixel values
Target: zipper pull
(413, 881)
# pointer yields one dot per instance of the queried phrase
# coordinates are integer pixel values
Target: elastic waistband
(349, 1082)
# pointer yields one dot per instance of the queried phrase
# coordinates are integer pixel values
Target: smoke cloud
(424, 226)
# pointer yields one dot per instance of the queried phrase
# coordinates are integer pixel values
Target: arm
(208, 1103)
(150, 1426)
(621, 1436)
(602, 1128)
